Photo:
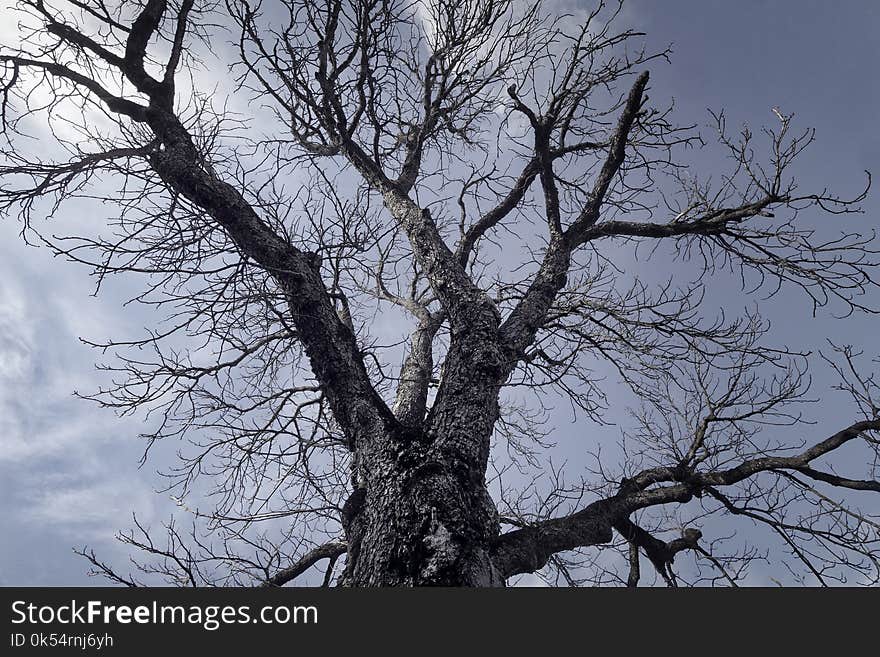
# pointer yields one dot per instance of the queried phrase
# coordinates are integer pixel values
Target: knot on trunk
(443, 552)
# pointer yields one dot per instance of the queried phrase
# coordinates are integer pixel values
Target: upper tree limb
(174, 156)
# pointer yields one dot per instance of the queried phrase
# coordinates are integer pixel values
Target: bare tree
(398, 157)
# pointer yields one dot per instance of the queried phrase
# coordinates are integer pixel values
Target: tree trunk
(420, 513)
(419, 519)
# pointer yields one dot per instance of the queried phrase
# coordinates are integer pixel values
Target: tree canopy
(394, 241)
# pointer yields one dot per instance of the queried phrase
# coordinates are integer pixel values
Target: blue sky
(68, 470)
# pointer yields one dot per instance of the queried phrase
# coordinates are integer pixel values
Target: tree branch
(327, 551)
(528, 549)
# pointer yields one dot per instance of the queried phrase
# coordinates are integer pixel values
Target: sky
(69, 472)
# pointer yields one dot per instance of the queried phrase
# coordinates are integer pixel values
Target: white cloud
(15, 343)
(41, 364)
(88, 509)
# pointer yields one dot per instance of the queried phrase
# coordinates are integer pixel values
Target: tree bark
(421, 514)
(419, 517)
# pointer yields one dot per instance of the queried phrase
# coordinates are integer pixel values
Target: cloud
(67, 469)
(41, 363)
(15, 344)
